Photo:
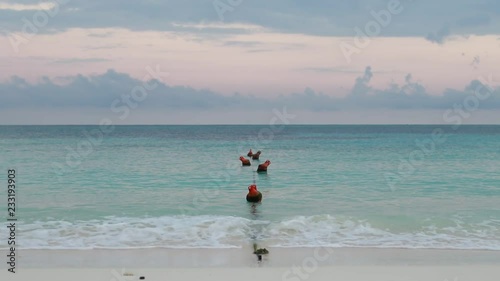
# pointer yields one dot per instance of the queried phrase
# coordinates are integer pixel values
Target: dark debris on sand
(261, 251)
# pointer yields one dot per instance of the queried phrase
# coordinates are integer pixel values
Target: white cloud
(43, 6)
(216, 25)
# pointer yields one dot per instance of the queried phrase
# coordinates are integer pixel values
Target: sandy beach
(373, 273)
(241, 264)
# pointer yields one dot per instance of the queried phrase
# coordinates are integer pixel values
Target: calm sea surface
(184, 187)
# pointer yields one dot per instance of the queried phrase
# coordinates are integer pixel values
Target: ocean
(384, 186)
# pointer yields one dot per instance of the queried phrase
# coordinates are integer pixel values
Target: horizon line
(262, 124)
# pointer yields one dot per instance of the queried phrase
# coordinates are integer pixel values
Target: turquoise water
(184, 187)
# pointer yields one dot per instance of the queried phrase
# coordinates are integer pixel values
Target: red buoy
(250, 153)
(263, 167)
(254, 195)
(255, 156)
(244, 161)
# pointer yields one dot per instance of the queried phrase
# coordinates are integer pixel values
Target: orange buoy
(244, 161)
(254, 195)
(255, 156)
(250, 153)
(263, 167)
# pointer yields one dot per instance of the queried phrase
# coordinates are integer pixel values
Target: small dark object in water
(142, 278)
(259, 257)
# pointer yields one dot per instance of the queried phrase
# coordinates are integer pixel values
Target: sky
(242, 61)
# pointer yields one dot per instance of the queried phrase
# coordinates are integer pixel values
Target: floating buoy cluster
(255, 156)
(254, 195)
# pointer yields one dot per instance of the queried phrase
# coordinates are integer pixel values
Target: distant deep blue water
(183, 186)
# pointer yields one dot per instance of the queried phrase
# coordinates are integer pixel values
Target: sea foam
(233, 232)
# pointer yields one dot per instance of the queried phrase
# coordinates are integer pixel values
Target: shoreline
(244, 257)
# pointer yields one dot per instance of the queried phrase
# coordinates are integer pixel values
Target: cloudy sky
(238, 61)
